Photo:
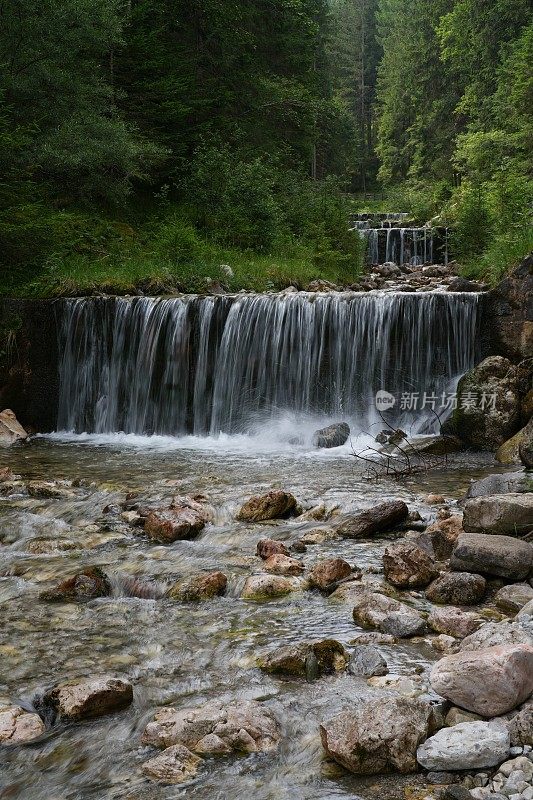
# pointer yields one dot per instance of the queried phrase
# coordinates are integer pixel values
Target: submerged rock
(50, 490)
(270, 547)
(75, 700)
(199, 587)
(408, 566)
(86, 585)
(18, 726)
(174, 765)
(385, 516)
(377, 736)
(308, 660)
(279, 564)
(11, 430)
(373, 610)
(457, 588)
(489, 682)
(266, 587)
(276, 504)
(502, 556)
(468, 745)
(326, 574)
(332, 436)
(504, 513)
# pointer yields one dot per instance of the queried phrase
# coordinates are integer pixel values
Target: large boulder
(174, 765)
(499, 633)
(383, 517)
(458, 589)
(514, 597)
(489, 682)
(308, 660)
(332, 436)
(488, 412)
(408, 566)
(11, 430)
(373, 610)
(88, 584)
(502, 483)
(215, 727)
(204, 586)
(469, 745)
(326, 574)
(378, 736)
(502, 513)
(502, 556)
(276, 504)
(75, 700)
(18, 726)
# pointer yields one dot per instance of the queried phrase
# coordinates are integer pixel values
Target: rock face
(503, 513)
(367, 662)
(408, 566)
(511, 312)
(265, 587)
(185, 519)
(308, 660)
(469, 745)
(242, 727)
(77, 700)
(174, 765)
(489, 682)
(270, 547)
(326, 574)
(18, 726)
(486, 428)
(514, 597)
(274, 505)
(11, 430)
(502, 556)
(525, 446)
(378, 736)
(199, 587)
(384, 516)
(86, 585)
(373, 610)
(332, 436)
(278, 564)
(457, 588)
(454, 622)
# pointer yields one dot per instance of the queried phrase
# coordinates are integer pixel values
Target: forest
(149, 142)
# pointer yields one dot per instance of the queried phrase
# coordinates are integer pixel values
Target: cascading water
(232, 364)
(389, 240)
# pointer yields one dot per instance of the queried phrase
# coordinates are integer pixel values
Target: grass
(503, 253)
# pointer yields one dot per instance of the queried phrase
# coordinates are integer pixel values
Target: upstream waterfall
(206, 365)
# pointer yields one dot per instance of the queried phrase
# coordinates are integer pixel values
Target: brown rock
(510, 514)
(174, 765)
(385, 516)
(502, 556)
(457, 588)
(326, 574)
(278, 564)
(270, 547)
(86, 585)
(444, 534)
(183, 520)
(308, 660)
(274, 505)
(94, 697)
(11, 430)
(408, 566)
(199, 587)
(265, 587)
(18, 726)
(454, 622)
(514, 597)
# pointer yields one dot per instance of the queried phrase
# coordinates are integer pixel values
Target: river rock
(521, 727)
(454, 622)
(50, 490)
(504, 513)
(444, 534)
(457, 588)
(18, 726)
(502, 483)
(270, 547)
(11, 430)
(509, 452)
(366, 662)
(75, 700)
(514, 597)
(326, 574)
(86, 585)
(278, 564)
(469, 745)
(276, 504)
(377, 736)
(199, 587)
(185, 519)
(385, 516)
(373, 610)
(457, 715)
(174, 765)
(215, 727)
(526, 610)
(332, 436)
(265, 587)
(499, 633)
(314, 514)
(319, 536)
(408, 566)
(502, 556)
(525, 445)
(309, 660)
(489, 682)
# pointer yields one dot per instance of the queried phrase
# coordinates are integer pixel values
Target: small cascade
(389, 240)
(206, 365)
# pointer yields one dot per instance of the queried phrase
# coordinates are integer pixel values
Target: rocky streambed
(208, 619)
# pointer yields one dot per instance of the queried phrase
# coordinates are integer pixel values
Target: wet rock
(443, 643)
(18, 726)
(509, 452)
(366, 661)
(49, 490)
(444, 534)
(348, 591)
(433, 446)
(315, 514)
(11, 430)
(319, 536)
(514, 597)
(278, 564)
(298, 547)
(502, 556)
(454, 622)
(521, 727)
(241, 727)
(525, 445)
(309, 660)
(385, 516)
(503, 633)
(469, 745)
(199, 587)
(270, 547)
(457, 588)
(326, 574)
(273, 505)
(408, 566)
(377, 736)
(435, 499)
(185, 519)
(503, 483)
(332, 436)
(174, 765)
(504, 513)
(44, 546)
(489, 682)
(265, 587)
(86, 585)
(75, 700)
(373, 610)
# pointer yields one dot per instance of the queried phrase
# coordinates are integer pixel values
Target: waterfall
(206, 365)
